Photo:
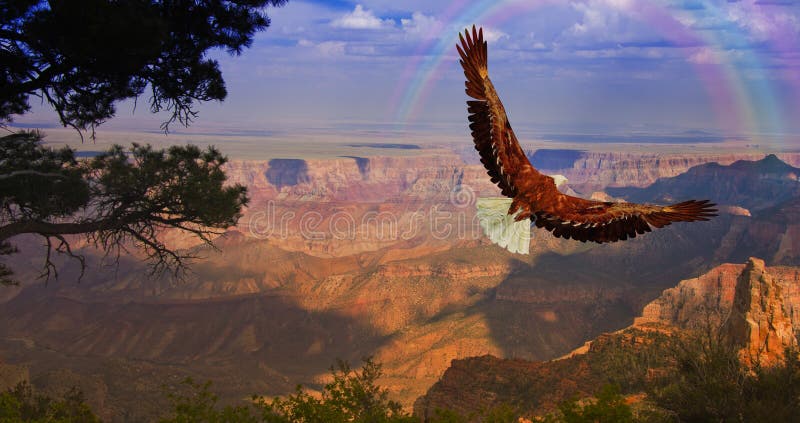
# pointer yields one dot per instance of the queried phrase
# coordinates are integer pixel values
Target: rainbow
(743, 98)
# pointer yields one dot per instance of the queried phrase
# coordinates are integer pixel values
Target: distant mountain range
(753, 185)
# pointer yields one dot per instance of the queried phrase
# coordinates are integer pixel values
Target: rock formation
(709, 298)
(758, 322)
(762, 303)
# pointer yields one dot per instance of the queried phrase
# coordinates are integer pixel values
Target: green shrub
(710, 383)
(352, 396)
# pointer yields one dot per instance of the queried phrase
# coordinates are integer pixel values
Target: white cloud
(493, 35)
(325, 48)
(711, 56)
(763, 21)
(705, 56)
(599, 16)
(622, 52)
(608, 22)
(361, 18)
(331, 48)
(619, 4)
(362, 50)
(422, 26)
(756, 23)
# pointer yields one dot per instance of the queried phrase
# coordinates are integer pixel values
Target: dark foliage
(83, 56)
(707, 381)
(503, 413)
(711, 384)
(22, 404)
(608, 407)
(199, 404)
(628, 360)
(118, 198)
(352, 396)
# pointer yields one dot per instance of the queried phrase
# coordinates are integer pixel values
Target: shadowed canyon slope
(357, 256)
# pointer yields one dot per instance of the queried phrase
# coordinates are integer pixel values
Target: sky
(729, 68)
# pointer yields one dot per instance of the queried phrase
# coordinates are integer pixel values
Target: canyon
(377, 255)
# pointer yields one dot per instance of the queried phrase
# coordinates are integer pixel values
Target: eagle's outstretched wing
(586, 220)
(494, 139)
(534, 194)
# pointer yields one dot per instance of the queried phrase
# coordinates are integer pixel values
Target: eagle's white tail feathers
(501, 228)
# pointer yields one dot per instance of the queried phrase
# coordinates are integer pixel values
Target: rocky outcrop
(753, 306)
(479, 383)
(709, 298)
(762, 303)
(758, 323)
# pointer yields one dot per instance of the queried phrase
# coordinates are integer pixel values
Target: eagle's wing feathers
(500, 152)
(596, 221)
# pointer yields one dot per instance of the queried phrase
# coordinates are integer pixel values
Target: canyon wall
(710, 296)
(433, 176)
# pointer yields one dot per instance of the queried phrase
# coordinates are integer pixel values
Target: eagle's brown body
(534, 194)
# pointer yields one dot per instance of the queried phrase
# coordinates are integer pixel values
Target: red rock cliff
(758, 322)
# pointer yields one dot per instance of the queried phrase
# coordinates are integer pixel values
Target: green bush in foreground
(352, 396)
(608, 407)
(711, 384)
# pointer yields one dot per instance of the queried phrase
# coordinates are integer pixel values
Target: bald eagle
(529, 194)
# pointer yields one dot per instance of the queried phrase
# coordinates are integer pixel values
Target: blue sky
(581, 66)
